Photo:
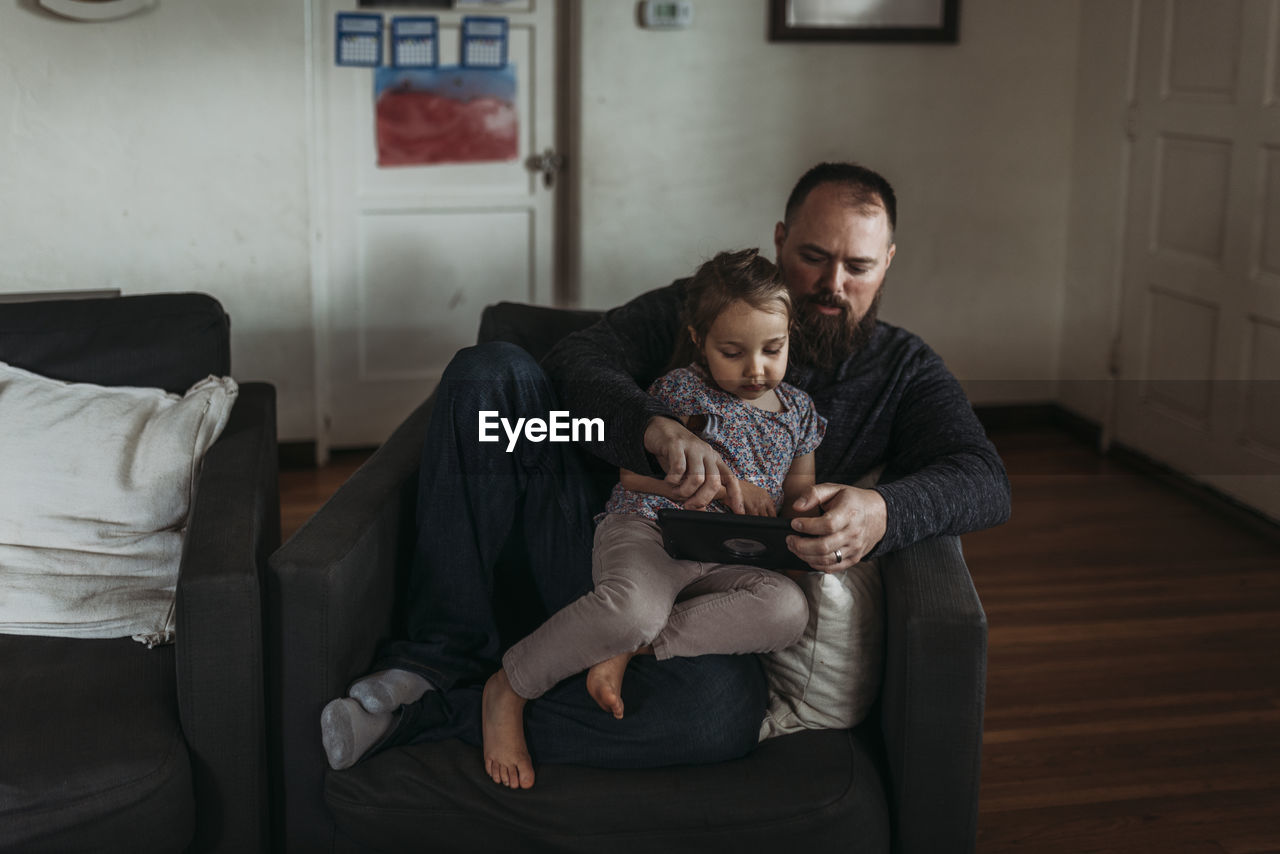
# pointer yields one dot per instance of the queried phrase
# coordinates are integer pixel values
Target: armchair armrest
(234, 525)
(332, 601)
(932, 698)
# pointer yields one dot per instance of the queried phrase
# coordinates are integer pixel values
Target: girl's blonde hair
(725, 279)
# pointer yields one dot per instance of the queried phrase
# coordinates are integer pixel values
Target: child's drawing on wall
(446, 115)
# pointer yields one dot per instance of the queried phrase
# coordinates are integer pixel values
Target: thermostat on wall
(666, 14)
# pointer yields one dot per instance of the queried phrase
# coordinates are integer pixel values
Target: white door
(1200, 328)
(407, 256)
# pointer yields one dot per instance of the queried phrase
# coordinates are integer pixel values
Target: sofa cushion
(814, 791)
(97, 484)
(94, 759)
(168, 341)
(831, 676)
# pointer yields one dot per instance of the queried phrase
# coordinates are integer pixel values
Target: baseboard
(297, 456)
(1208, 496)
(1015, 416)
(1031, 416)
(996, 418)
(300, 456)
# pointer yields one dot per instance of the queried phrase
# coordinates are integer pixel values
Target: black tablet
(729, 538)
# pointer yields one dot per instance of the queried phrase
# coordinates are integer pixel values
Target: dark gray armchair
(109, 746)
(906, 780)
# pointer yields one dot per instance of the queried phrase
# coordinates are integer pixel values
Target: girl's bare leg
(604, 680)
(506, 755)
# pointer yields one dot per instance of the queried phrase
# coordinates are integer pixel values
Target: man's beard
(825, 341)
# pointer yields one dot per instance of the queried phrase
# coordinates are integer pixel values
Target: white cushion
(830, 678)
(94, 495)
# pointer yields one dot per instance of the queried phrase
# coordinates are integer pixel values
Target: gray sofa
(906, 780)
(108, 746)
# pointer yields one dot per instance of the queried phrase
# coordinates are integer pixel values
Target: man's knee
(492, 360)
(497, 375)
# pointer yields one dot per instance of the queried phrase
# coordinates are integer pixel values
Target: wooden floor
(1133, 691)
(303, 491)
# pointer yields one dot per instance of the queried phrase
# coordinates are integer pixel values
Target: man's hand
(853, 522)
(694, 470)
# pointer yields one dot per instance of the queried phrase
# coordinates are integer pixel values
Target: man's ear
(893, 249)
(779, 237)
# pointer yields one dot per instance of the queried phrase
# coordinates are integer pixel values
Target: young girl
(738, 314)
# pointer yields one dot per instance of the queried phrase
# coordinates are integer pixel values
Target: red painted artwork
(443, 117)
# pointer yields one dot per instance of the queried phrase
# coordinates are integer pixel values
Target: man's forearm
(943, 475)
(954, 496)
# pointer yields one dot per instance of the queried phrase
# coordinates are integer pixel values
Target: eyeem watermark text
(558, 428)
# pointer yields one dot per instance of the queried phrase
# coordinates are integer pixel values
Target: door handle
(549, 163)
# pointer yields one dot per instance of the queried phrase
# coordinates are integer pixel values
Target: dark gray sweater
(894, 403)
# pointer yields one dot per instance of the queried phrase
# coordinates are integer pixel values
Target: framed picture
(864, 20)
(409, 4)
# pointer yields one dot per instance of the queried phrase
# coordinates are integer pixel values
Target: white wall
(166, 152)
(691, 140)
(1097, 219)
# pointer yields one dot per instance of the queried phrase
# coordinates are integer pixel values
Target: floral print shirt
(757, 444)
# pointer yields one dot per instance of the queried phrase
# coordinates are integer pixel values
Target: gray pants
(644, 596)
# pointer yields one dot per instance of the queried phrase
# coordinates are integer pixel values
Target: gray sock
(388, 690)
(348, 731)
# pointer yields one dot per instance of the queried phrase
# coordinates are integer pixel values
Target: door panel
(1200, 328)
(1262, 403)
(1181, 350)
(408, 256)
(1191, 200)
(1201, 60)
(408, 333)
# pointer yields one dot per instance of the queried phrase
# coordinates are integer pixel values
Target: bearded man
(892, 408)
(888, 399)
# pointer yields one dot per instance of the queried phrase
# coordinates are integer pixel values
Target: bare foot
(604, 682)
(506, 755)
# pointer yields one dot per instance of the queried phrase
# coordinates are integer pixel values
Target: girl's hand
(694, 470)
(757, 500)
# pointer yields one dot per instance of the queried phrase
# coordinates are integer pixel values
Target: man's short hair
(865, 187)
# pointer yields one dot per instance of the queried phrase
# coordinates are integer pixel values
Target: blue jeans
(477, 503)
